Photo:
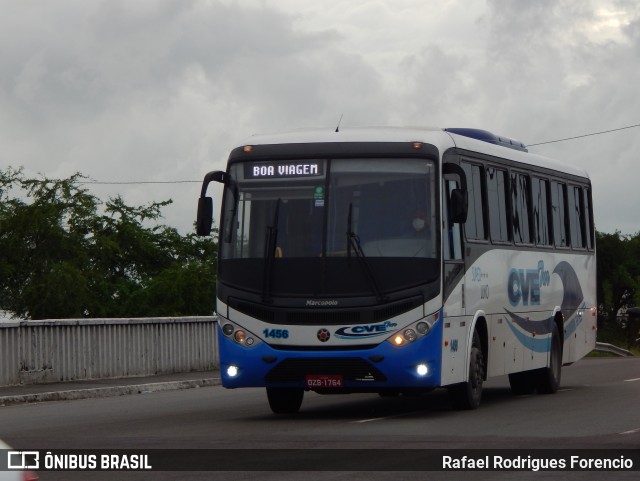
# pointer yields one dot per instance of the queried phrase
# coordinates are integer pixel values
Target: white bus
(396, 261)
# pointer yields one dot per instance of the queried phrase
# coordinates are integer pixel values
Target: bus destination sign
(282, 170)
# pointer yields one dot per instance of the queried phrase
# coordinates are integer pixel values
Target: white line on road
(633, 431)
(632, 380)
(370, 420)
(362, 421)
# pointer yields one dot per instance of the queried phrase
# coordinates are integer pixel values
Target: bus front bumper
(413, 366)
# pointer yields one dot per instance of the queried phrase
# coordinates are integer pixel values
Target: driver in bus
(419, 222)
(419, 225)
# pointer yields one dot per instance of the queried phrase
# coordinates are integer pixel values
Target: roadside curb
(109, 391)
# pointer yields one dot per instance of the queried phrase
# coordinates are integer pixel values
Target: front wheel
(285, 400)
(467, 395)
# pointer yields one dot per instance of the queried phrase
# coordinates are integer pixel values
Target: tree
(618, 280)
(66, 254)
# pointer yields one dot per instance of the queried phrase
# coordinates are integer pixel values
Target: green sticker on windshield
(318, 196)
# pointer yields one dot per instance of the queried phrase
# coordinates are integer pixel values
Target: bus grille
(325, 316)
(350, 368)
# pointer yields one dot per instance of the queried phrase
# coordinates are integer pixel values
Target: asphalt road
(597, 407)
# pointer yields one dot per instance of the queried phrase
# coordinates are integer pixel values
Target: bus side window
(559, 213)
(520, 208)
(497, 204)
(576, 217)
(452, 235)
(541, 221)
(588, 217)
(474, 228)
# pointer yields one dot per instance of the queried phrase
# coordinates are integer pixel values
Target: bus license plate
(319, 381)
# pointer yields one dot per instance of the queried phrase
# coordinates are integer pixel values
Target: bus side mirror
(216, 176)
(459, 206)
(204, 221)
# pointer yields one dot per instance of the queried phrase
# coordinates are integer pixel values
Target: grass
(616, 336)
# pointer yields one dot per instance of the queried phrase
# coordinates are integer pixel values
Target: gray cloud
(161, 90)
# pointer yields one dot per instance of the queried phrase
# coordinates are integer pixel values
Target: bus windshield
(309, 211)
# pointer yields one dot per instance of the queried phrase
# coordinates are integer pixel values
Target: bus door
(455, 332)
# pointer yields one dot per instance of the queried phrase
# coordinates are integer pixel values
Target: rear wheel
(548, 378)
(467, 395)
(285, 400)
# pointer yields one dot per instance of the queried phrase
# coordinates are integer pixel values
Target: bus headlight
(423, 328)
(239, 335)
(232, 371)
(410, 335)
(422, 369)
(414, 331)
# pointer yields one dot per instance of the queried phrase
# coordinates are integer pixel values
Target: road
(598, 406)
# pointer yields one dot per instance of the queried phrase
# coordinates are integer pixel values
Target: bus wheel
(467, 395)
(548, 378)
(285, 400)
(523, 383)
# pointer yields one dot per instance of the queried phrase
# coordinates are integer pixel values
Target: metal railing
(70, 350)
(618, 351)
(82, 349)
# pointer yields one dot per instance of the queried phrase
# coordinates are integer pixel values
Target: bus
(396, 261)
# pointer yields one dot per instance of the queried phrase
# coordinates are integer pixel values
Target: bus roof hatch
(487, 136)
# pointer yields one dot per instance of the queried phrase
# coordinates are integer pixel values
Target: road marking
(633, 431)
(370, 420)
(362, 421)
(632, 380)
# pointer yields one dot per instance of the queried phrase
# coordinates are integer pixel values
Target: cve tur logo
(524, 285)
(365, 331)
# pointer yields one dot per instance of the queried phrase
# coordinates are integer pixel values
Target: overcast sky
(161, 90)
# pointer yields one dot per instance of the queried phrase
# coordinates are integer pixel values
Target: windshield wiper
(353, 242)
(270, 243)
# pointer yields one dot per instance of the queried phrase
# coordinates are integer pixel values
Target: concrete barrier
(82, 349)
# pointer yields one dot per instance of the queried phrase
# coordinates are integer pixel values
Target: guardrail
(618, 351)
(81, 349)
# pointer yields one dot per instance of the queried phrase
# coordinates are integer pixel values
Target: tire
(285, 400)
(467, 395)
(548, 378)
(523, 383)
